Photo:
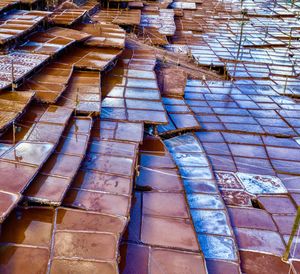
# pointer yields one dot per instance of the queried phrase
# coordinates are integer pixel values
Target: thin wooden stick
(14, 133)
(285, 256)
(76, 101)
(12, 76)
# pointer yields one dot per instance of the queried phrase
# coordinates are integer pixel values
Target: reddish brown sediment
(170, 86)
(119, 17)
(13, 104)
(17, 24)
(104, 35)
(52, 41)
(160, 227)
(83, 93)
(54, 179)
(64, 240)
(67, 17)
(50, 82)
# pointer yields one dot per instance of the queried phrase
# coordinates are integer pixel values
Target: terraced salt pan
(211, 221)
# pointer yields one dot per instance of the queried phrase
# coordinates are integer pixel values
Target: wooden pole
(14, 133)
(77, 101)
(286, 254)
(12, 76)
